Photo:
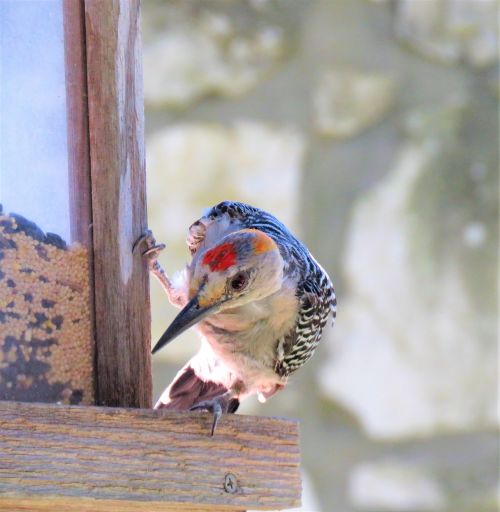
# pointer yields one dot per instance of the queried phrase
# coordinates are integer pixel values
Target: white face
(239, 270)
(260, 277)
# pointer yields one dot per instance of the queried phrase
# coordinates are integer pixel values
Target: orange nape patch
(262, 242)
(220, 258)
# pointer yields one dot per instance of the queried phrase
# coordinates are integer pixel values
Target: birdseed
(46, 335)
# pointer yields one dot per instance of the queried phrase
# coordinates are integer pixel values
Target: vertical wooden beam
(78, 127)
(116, 124)
(78, 144)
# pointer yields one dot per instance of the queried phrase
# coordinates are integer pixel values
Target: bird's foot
(217, 406)
(150, 249)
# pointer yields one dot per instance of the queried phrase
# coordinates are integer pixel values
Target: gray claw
(215, 406)
(152, 249)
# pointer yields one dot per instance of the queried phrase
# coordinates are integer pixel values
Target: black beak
(190, 315)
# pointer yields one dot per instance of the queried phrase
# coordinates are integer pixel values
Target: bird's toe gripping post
(217, 406)
(149, 248)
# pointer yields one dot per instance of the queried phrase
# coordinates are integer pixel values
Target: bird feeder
(76, 431)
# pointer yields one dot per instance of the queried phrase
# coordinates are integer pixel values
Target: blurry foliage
(460, 189)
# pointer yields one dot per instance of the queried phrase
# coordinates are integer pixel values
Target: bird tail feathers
(187, 390)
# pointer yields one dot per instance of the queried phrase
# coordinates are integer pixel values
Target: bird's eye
(239, 281)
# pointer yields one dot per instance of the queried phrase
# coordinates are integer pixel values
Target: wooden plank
(90, 505)
(116, 123)
(96, 457)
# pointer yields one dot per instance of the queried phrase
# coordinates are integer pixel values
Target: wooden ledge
(57, 457)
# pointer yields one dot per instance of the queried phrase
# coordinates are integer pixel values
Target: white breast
(244, 339)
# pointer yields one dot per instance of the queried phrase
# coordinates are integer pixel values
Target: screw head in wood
(230, 483)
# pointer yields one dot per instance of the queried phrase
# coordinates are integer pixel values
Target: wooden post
(116, 124)
(77, 126)
(75, 458)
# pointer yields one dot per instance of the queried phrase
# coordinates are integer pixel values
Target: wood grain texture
(116, 123)
(91, 505)
(79, 149)
(98, 457)
(77, 122)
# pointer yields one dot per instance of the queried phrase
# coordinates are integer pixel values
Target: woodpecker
(259, 300)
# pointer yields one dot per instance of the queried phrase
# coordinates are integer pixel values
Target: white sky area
(33, 142)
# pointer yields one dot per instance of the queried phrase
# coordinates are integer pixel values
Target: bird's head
(245, 266)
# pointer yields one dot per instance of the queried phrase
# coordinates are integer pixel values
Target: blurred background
(371, 129)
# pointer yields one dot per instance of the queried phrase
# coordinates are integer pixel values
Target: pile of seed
(46, 341)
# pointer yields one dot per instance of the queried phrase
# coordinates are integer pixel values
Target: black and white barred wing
(317, 303)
